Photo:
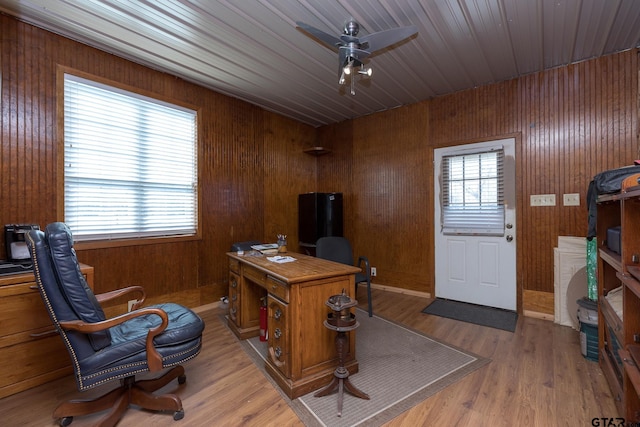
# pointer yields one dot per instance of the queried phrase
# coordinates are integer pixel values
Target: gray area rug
(471, 313)
(398, 368)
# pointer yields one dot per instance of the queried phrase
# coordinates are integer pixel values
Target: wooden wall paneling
(289, 171)
(26, 163)
(560, 117)
(232, 175)
(393, 185)
(572, 122)
(484, 113)
(335, 169)
(231, 163)
(386, 187)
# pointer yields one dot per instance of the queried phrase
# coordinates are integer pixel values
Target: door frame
(509, 162)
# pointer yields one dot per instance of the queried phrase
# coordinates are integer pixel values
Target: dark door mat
(471, 313)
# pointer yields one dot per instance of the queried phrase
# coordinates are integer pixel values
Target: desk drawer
(255, 275)
(278, 288)
(27, 360)
(279, 346)
(234, 265)
(234, 280)
(22, 309)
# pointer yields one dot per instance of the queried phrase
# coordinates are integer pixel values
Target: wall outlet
(130, 304)
(373, 271)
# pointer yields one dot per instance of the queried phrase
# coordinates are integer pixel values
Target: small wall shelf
(317, 151)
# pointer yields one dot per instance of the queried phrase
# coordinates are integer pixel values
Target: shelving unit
(317, 151)
(619, 324)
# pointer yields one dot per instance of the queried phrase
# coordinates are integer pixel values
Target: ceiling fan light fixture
(365, 71)
(353, 50)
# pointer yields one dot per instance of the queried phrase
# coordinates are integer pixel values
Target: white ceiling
(251, 49)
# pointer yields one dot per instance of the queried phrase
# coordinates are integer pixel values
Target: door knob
(509, 237)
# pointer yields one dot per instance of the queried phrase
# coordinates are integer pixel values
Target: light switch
(543, 200)
(572, 199)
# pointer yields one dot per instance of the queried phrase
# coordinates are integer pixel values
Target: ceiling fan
(353, 50)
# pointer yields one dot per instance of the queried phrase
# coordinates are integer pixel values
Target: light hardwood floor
(537, 377)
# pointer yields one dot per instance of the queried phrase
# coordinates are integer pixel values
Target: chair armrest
(154, 360)
(367, 268)
(108, 296)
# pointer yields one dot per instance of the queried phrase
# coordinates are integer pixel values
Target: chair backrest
(64, 289)
(244, 246)
(335, 248)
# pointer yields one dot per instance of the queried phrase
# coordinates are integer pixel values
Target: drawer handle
(44, 334)
(234, 310)
(277, 314)
(277, 333)
(34, 287)
(234, 283)
(234, 297)
(275, 355)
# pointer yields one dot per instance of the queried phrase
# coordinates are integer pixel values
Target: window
(472, 193)
(130, 164)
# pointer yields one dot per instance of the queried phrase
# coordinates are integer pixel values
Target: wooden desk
(302, 354)
(31, 350)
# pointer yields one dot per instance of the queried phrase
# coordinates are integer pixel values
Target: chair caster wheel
(64, 422)
(182, 379)
(178, 415)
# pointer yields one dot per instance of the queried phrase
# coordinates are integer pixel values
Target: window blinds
(129, 164)
(472, 193)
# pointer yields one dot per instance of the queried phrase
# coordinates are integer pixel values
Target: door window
(472, 193)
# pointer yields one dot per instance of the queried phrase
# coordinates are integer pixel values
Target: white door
(475, 223)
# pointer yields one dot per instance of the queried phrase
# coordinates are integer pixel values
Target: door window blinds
(130, 164)
(472, 193)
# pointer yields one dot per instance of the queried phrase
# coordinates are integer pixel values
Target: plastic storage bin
(588, 332)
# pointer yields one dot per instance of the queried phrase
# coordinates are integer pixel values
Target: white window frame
(146, 186)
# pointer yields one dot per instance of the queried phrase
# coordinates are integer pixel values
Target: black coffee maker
(14, 239)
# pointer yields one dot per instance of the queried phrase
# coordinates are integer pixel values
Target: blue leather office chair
(102, 350)
(244, 246)
(338, 249)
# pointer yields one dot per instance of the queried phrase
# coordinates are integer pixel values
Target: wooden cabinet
(619, 297)
(301, 355)
(31, 350)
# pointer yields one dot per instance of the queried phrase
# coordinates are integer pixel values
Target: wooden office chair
(102, 350)
(338, 249)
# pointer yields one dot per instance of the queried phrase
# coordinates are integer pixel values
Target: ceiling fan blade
(342, 60)
(329, 40)
(382, 39)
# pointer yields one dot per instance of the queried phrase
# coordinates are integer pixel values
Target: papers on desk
(265, 246)
(281, 259)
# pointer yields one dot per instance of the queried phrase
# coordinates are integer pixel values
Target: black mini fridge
(319, 215)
